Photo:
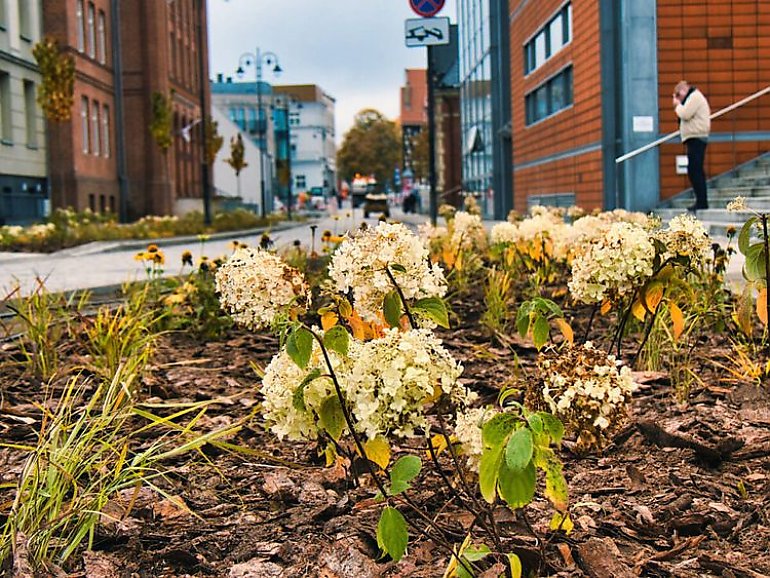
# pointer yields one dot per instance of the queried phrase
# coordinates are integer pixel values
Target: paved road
(105, 264)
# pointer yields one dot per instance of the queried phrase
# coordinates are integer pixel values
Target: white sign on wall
(681, 164)
(643, 124)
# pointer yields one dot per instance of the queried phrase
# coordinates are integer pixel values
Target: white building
(311, 134)
(245, 187)
(23, 185)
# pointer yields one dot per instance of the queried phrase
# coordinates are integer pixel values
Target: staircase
(750, 180)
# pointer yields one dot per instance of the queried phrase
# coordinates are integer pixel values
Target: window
(84, 131)
(6, 131)
(91, 30)
(95, 129)
(300, 182)
(25, 24)
(552, 96)
(549, 40)
(2, 15)
(294, 118)
(81, 34)
(101, 45)
(92, 202)
(106, 149)
(30, 113)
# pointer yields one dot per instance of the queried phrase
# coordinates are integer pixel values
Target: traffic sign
(426, 31)
(426, 8)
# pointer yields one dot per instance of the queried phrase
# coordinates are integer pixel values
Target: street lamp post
(257, 59)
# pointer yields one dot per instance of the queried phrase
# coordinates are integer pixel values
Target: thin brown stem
(401, 296)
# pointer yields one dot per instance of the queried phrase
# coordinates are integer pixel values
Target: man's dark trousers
(696, 154)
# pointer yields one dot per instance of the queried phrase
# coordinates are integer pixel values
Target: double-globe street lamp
(257, 60)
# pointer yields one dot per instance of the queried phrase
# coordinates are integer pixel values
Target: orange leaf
(448, 256)
(565, 329)
(329, 320)
(677, 319)
(638, 310)
(357, 326)
(606, 306)
(652, 296)
(762, 305)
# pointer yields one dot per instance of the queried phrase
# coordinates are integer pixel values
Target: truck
(360, 187)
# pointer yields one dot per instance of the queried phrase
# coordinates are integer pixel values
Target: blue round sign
(427, 8)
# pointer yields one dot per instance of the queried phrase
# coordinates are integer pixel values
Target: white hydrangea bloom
(467, 230)
(685, 236)
(428, 233)
(359, 264)
(280, 383)
(614, 264)
(504, 234)
(468, 427)
(737, 204)
(255, 286)
(392, 379)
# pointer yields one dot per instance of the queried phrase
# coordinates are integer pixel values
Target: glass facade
(485, 108)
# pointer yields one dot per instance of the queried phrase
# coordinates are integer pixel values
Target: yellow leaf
(510, 256)
(638, 310)
(346, 310)
(562, 522)
(606, 306)
(565, 329)
(652, 296)
(329, 320)
(378, 451)
(448, 256)
(762, 305)
(677, 319)
(438, 443)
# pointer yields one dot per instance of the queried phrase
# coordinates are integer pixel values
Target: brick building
(592, 80)
(414, 116)
(105, 158)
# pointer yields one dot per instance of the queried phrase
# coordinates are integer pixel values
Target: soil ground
(684, 489)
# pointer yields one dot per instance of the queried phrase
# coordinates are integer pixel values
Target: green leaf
(337, 339)
(489, 470)
(553, 426)
(754, 266)
(435, 309)
(518, 452)
(523, 319)
(299, 346)
(391, 307)
(392, 536)
(535, 421)
(406, 468)
(298, 399)
(331, 417)
(495, 432)
(516, 487)
(515, 563)
(476, 553)
(397, 267)
(548, 306)
(540, 332)
(744, 237)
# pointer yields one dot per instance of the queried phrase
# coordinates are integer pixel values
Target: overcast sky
(353, 49)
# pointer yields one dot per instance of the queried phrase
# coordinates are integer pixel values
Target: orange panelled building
(592, 80)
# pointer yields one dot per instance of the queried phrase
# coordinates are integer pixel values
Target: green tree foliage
(371, 147)
(214, 140)
(161, 124)
(420, 152)
(237, 154)
(56, 92)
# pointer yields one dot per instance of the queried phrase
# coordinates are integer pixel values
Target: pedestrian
(694, 114)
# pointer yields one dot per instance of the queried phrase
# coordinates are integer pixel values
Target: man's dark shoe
(694, 208)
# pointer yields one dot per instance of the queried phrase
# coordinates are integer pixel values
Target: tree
(420, 153)
(371, 147)
(161, 121)
(214, 140)
(56, 91)
(237, 160)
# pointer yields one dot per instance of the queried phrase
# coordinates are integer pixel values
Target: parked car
(376, 203)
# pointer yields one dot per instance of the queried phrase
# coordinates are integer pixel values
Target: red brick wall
(724, 50)
(574, 127)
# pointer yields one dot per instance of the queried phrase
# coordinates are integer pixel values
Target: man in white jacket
(694, 114)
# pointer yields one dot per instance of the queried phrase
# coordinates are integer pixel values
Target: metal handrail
(674, 134)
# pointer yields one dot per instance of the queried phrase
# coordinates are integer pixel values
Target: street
(109, 263)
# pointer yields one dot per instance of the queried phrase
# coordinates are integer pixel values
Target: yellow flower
(140, 256)
(187, 258)
(152, 248)
(158, 258)
(174, 299)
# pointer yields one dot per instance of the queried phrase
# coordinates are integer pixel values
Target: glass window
(84, 129)
(549, 40)
(25, 24)
(101, 45)
(540, 51)
(80, 28)
(91, 30)
(556, 34)
(6, 130)
(30, 113)
(106, 148)
(549, 98)
(95, 129)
